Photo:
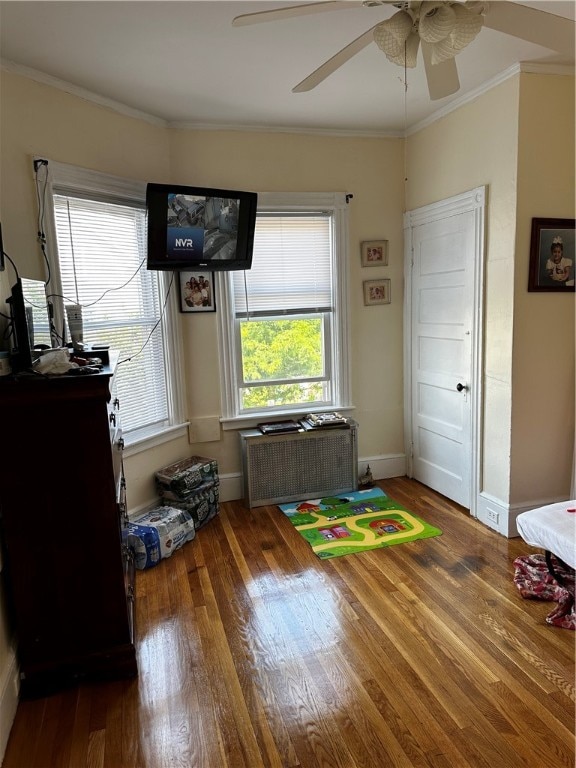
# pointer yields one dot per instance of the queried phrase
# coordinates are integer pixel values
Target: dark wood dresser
(70, 579)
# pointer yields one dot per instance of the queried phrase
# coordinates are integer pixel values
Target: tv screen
(198, 227)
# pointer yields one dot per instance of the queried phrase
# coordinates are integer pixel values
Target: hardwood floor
(253, 652)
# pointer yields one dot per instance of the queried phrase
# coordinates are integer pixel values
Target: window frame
(65, 179)
(327, 377)
(327, 345)
(337, 357)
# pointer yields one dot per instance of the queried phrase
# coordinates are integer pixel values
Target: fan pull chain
(405, 132)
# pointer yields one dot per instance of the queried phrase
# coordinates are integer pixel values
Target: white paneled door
(443, 302)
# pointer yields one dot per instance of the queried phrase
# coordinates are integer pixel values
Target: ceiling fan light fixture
(401, 52)
(442, 51)
(447, 27)
(469, 22)
(396, 29)
(437, 21)
(398, 39)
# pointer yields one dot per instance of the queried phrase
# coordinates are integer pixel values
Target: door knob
(460, 387)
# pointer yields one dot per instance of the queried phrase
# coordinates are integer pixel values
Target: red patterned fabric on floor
(534, 581)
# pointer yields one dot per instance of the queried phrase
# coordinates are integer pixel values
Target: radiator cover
(298, 465)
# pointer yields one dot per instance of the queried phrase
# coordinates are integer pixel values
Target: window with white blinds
(101, 264)
(292, 266)
(283, 322)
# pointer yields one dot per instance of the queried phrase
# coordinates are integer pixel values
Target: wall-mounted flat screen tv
(199, 227)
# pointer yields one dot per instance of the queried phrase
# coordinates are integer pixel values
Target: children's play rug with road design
(355, 522)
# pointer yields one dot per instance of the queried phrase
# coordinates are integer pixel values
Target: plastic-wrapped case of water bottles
(157, 533)
(177, 481)
(189, 492)
(192, 485)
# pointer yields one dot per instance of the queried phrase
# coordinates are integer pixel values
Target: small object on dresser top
(5, 365)
(84, 370)
(101, 351)
(54, 362)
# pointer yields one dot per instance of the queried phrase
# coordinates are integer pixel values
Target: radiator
(298, 465)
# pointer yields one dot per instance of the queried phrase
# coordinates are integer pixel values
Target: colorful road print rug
(354, 522)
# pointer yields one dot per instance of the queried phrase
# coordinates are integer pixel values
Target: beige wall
(472, 147)
(518, 139)
(543, 351)
(44, 121)
(40, 120)
(370, 170)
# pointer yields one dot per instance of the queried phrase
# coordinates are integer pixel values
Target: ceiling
(184, 63)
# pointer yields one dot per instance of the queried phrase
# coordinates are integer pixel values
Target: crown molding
(516, 69)
(82, 93)
(116, 106)
(535, 68)
(263, 128)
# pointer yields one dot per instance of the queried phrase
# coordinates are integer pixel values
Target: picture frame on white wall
(374, 253)
(376, 292)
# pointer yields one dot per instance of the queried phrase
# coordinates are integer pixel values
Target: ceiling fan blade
(293, 11)
(335, 62)
(442, 78)
(539, 27)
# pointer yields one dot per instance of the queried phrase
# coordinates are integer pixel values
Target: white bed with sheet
(553, 528)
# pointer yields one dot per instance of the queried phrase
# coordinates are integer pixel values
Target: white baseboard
(494, 513)
(9, 687)
(383, 467)
(502, 517)
(231, 485)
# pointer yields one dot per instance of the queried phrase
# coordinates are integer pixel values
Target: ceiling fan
(439, 28)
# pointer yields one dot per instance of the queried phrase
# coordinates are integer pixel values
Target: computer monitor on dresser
(30, 322)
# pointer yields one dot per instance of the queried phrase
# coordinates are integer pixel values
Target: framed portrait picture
(376, 292)
(374, 253)
(197, 292)
(551, 255)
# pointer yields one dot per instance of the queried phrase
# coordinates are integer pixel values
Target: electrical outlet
(492, 516)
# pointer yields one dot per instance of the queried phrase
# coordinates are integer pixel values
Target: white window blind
(101, 254)
(292, 267)
(284, 336)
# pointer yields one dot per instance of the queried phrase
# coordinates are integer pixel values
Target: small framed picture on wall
(376, 292)
(374, 253)
(197, 292)
(552, 255)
